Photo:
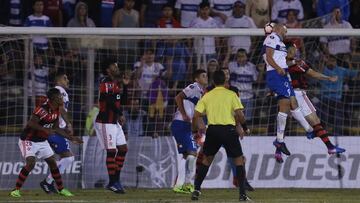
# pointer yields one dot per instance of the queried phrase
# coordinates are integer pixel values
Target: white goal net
(159, 64)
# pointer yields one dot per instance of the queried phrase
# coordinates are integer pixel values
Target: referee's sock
(200, 175)
(241, 174)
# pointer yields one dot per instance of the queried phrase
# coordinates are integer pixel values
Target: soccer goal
(159, 64)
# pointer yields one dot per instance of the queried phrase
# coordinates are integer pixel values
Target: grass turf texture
(208, 195)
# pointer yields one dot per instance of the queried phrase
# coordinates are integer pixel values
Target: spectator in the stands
(127, 17)
(146, 71)
(134, 116)
(167, 20)
(337, 45)
(259, 11)
(243, 74)
(212, 66)
(38, 19)
(186, 11)
(38, 76)
(326, 7)
(177, 60)
(101, 11)
(331, 93)
(281, 8)
(205, 45)
(53, 9)
(151, 12)
(13, 13)
(292, 22)
(80, 19)
(222, 9)
(238, 19)
(68, 10)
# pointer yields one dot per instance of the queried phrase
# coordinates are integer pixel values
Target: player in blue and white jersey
(58, 143)
(279, 81)
(186, 101)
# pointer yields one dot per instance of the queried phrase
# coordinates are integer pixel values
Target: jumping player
(298, 71)
(277, 79)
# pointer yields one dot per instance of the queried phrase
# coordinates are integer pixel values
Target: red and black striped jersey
(48, 117)
(297, 74)
(109, 101)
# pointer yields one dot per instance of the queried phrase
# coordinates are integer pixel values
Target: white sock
(297, 114)
(281, 124)
(190, 168)
(63, 164)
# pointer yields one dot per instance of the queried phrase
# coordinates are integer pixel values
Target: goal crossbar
(169, 31)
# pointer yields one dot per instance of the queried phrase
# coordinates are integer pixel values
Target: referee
(223, 110)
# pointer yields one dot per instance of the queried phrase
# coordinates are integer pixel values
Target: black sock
(240, 173)
(200, 176)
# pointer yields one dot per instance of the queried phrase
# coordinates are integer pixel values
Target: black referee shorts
(222, 135)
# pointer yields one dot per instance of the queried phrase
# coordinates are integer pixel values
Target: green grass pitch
(208, 195)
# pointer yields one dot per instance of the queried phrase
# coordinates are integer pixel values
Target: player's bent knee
(51, 162)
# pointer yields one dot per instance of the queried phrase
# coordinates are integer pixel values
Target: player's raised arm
(320, 76)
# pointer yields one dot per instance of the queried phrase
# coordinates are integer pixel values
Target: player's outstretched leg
(30, 163)
(54, 170)
(61, 147)
(321, 133)
(279, 142)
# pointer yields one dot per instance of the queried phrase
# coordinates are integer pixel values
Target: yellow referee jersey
(219, 105)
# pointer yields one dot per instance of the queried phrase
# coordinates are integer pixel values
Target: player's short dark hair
(204, 3)
(241, 50)
(52, 93)
(331, 56)
(35, 1)
(197, 73)
(168, 5)
(106, 64)
(219, 77)
(151, 50)
(58, 75)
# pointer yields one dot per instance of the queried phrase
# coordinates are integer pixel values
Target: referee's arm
(240, 120)
(198, 123)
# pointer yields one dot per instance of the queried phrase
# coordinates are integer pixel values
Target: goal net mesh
(158, 68)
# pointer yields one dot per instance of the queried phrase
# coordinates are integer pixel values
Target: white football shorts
(40, 150)
(304, 102)
(110, 135)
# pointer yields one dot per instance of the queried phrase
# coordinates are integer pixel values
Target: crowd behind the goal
(158, 68)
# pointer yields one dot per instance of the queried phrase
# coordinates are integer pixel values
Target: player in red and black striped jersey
(112, 94)
(298, 70)
(33, 142)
